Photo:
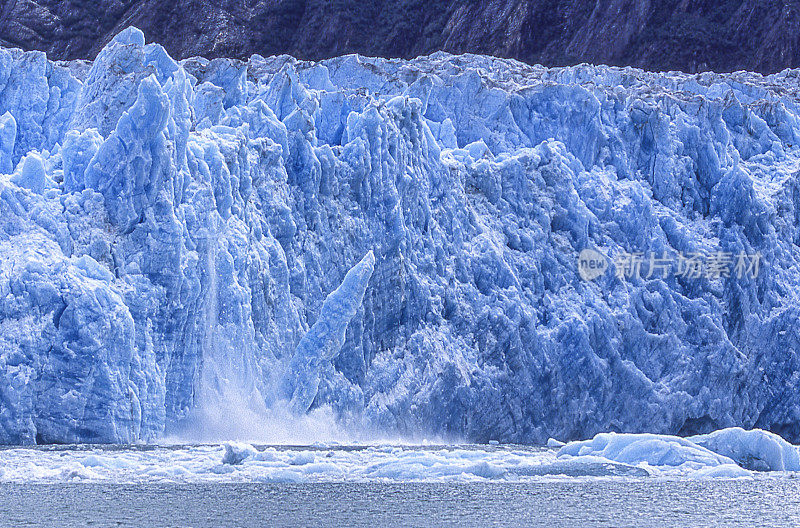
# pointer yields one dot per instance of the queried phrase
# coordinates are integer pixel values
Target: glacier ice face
(170, 232)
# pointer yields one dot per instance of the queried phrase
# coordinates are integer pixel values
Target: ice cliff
(170, 229)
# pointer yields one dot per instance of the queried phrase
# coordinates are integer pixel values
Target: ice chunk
(725, 471)
(302, 458)
(237, 452)
(650, 449)
(78, 151)
(93, 269)
(32, 175)
(130, 36)
(585, 466)
(755, 450)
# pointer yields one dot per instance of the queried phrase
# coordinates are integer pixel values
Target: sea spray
(230, 404)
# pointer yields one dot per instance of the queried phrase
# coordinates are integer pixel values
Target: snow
(188, 248)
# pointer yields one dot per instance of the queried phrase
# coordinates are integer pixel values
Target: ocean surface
(240, 485)
(618, 503)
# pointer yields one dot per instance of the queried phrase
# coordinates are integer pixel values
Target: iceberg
(727, 453)
(649, 449)
(397, 243)
(755, 450)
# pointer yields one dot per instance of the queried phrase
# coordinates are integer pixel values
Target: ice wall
(173, 230)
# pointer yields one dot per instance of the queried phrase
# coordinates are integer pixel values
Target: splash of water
(229, 404)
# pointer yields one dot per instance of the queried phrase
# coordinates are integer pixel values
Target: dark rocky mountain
(688, 35)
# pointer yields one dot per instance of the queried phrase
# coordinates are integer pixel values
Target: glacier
(394, 241)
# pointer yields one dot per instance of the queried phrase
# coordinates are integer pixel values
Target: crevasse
(170, 232)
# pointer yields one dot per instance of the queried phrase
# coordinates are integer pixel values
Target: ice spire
(325, 338)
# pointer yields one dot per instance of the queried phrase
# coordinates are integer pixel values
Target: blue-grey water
(603, 503)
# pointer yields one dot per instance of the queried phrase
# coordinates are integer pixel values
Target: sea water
(374, 485)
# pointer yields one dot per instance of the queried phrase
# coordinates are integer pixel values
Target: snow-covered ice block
(237, 452)
(650, 449)
(756, 450)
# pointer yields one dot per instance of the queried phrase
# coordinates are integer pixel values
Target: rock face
(685, 35)
(170, 230)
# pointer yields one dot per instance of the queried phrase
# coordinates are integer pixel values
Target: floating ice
(237, 452)
(756, 450)
(733, 451)
(240, 462)
(724, 471)
(650, 449)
